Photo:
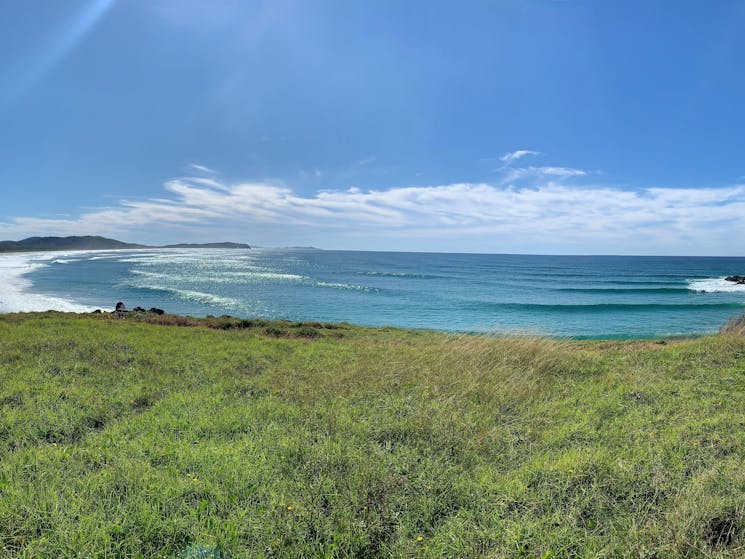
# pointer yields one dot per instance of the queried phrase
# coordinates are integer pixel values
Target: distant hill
(64, 243)
(93, 243)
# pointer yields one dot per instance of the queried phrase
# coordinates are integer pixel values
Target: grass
(735, 327)
(174, 437)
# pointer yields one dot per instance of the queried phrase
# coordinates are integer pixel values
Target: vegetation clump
(140, 437)
(735, 327)
(274, 328)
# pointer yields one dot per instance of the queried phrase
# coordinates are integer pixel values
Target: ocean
(569, 296)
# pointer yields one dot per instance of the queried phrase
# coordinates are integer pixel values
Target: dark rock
(121, 307)
(97, 311)
(138, 309)
(155, 310)
(740, 280)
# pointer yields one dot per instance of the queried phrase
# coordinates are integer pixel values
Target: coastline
(280, 328)
(15, 295)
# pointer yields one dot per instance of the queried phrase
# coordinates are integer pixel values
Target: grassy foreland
(120, 438)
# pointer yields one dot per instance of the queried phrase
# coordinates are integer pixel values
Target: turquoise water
(578, 296)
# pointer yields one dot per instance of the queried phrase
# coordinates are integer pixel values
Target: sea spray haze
(578, 296)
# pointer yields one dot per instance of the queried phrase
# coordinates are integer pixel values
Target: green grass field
(122, 438)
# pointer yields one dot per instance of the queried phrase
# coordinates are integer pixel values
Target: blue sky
(572, 126)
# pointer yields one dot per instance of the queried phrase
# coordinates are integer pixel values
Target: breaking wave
(715, 285)
(194, 296)
(333, 285)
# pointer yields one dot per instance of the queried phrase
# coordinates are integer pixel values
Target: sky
(500, 126)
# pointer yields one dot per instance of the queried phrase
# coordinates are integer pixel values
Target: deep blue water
(579, 296)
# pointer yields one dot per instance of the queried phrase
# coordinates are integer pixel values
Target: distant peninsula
(94, 243)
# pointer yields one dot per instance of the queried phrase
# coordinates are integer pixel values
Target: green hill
(65, 243)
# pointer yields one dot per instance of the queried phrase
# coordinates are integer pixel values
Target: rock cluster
(740, 280)
(122, 308)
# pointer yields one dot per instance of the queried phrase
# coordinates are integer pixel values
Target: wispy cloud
(366, 161)
(511, 174)
(201, 169)
(561, 171)
(517, 154)
(548, 213)
(368, 166)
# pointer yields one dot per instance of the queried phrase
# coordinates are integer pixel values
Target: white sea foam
(150, 274)
(264, 276)
(219, 276)
(227, 258)
(14, 286)
(715, 285)
(105, 257)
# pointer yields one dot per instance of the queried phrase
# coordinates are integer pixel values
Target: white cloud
(517, 154)
(547, 215)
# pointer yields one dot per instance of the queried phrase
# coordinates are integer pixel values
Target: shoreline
(229, 322)
(15, 293)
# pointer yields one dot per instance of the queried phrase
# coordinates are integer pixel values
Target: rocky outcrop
(739, 280)
(121, 309)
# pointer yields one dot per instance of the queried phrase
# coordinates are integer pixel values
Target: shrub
(308, 332)
(275, 332)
